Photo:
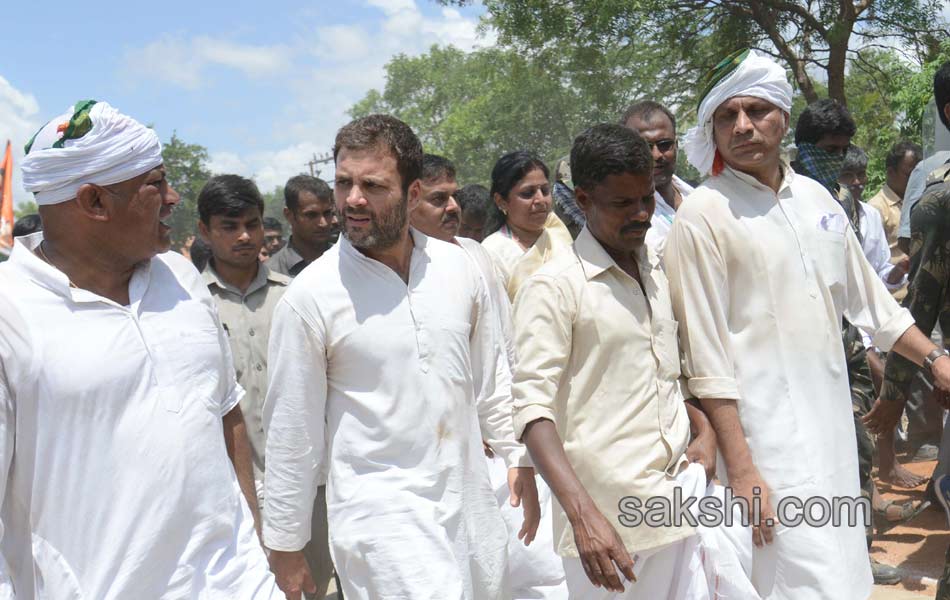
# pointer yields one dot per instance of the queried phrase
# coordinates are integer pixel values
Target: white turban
(89, 143)
(755, 76)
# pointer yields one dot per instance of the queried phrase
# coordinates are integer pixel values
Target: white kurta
(760, 282)
(114, 475)
(535, 571)
(663, 215)
(393, 386)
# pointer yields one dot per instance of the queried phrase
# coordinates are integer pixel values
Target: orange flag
(6, 201)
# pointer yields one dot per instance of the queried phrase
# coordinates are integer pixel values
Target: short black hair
(821, 118)
(273, 224)
(437, 167)
(228, 195)
(387, 131)
(305, 183)
(942, 92)
(608, 149)
(855, 159)
(899, 150)
(644, 109)
(474, 200)
(27, 224)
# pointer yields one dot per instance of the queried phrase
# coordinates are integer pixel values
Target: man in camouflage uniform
(928, 301)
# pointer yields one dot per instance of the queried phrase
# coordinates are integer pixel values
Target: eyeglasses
(663, 146)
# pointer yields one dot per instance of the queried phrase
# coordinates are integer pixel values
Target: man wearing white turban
(762, 267)
(118, 400)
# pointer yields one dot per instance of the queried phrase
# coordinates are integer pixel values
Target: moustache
(450, 219)
(638, 226)
(244, 247)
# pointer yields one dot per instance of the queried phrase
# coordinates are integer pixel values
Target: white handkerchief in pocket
(833, 223)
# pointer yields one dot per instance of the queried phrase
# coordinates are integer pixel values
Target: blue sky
(262, 85)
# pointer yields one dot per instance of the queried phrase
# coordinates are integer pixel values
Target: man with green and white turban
(123, 451)
(762, 266)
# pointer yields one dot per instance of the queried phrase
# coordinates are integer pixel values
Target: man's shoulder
(276, 278)
(183, 270)
(562, 265)
(936, 196)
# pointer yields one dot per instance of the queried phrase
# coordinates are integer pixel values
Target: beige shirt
(600, 359)
(246, 319)
(888, 203)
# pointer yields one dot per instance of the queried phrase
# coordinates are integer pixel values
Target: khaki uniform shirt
(246, 319)
(287, 261)
(599, 358)
(889, 205)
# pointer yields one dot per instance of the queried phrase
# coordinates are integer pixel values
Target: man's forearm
(547, 451)
(914, 346)
(724, 416)
(699, 424)
(239, 451)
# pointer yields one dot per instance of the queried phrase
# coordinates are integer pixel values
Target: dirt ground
(917, 548)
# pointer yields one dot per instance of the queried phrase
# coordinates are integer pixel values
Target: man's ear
(95, 203)
(946, 111)
(583, 200)
(288, 214)
(204, 232)
(415, 194)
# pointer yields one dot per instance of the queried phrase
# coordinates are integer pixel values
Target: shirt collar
(419, 243)
(264, 274)
(891, 196)
(24, 258)
(595, 259)
(292, 255)
(787, 171)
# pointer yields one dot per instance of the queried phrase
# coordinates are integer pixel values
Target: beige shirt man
(888, 203)
(599, 358)
(246, 319)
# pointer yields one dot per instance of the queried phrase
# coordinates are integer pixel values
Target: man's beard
(384, 231)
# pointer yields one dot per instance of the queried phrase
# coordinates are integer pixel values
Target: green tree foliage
(674, 42)
(25, 208)
(475, 107)
(186, 167)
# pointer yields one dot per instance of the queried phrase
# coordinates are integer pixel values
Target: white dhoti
(534, 571)
(713, 564)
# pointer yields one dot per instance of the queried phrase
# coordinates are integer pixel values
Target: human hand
(524, 492)
(751, 486)
(883, 416)
(292, 573)
(601, 550)
(940, 370)
(702, 450)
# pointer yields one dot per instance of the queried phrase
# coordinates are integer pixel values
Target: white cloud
(19, 119)
(184, 62)
(271, 169)
(334, 69)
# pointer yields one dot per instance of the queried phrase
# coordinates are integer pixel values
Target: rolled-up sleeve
(869, 306)
(294, 426)
(697, 277)
(543, 321)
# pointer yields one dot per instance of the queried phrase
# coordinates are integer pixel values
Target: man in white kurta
(761, 275)
(387, 377)
(534, 570)
(116, 401)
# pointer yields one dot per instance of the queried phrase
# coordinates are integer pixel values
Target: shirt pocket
(830, 259)
(189, 363)
(666, 348)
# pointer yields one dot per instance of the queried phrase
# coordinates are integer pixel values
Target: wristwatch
(929, 361)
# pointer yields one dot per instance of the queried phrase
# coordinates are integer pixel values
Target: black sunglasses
(662, 145)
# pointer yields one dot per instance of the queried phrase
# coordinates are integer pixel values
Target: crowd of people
(445, 391)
